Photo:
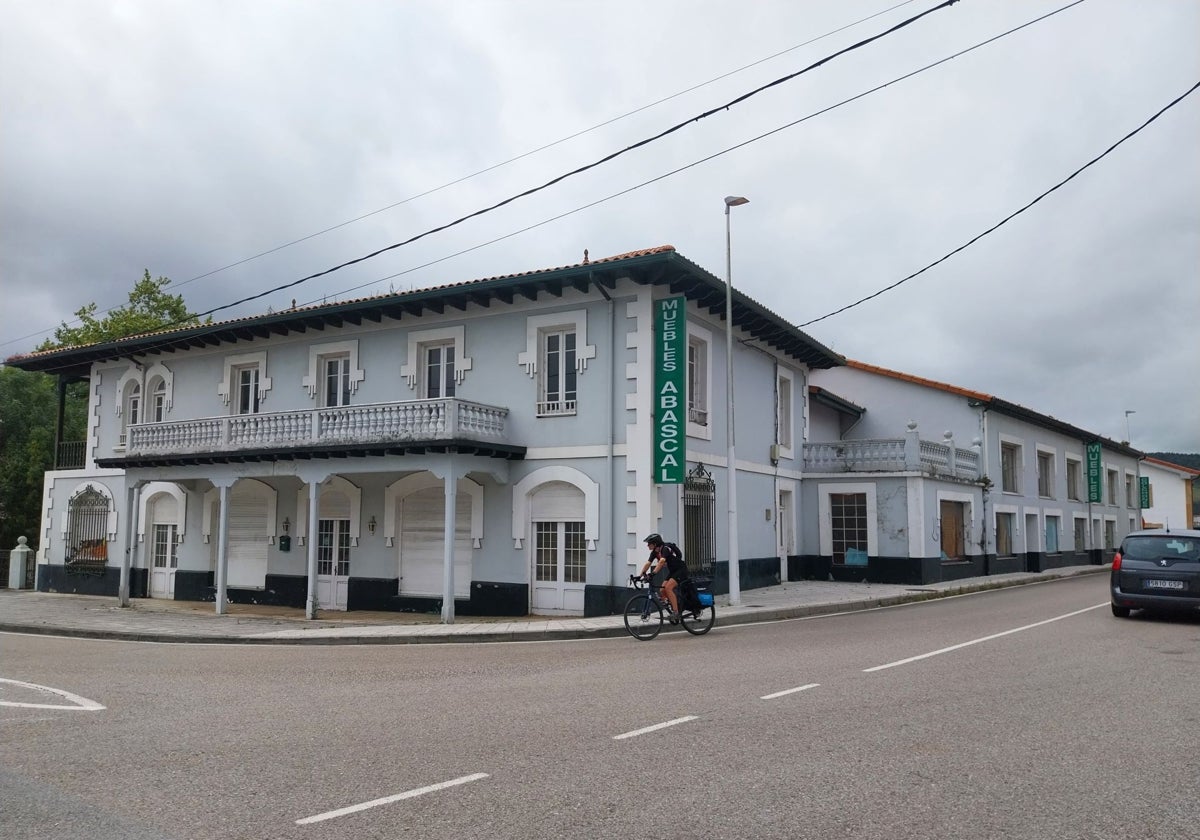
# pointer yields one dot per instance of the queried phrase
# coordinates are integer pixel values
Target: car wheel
(1120, 612)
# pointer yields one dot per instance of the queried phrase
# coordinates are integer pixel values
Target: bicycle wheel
(699, 623)
(643, 618)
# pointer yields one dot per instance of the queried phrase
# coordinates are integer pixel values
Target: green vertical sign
(1095, 477)
(670, 390)
(1144, 501)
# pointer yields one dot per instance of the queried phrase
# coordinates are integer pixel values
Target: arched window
(132, 414)
(158, 400)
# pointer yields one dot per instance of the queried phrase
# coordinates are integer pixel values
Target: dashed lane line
(654, 728)
(387, 800)
(788, 691)
(979, 641)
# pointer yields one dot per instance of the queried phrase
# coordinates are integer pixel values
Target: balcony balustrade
(382, 423)
(893, 455)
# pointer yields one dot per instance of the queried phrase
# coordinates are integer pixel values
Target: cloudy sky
(185, 136)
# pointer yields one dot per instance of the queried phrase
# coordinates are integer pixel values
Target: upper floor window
(1010, 468)
(245, 383)
(697, 381)
(245, 394)
(1074, 473)
(158, 401)
(1045, 465)
(557, 393)
(333, 373)
(1131, 498)
(556, 355)
(438, 362)
(131, 410)
(783, 418)
(336, 376)
(1112, 487)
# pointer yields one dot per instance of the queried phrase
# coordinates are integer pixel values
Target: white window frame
(1131, 490)
(1074, 491)
(1112, 485)
(1047, 515)
(825, 512)
(1076, 518)
(532, 358)
(227, 387)
(1051, 453)
(701, 402)
(554, 405)
(785, 416)
(418, 341)
(314, 380)
(1019, 466)
(1014, 512)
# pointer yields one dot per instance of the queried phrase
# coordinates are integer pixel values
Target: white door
(422, 535)
(163, 562)
(333, 563)
(559, 568)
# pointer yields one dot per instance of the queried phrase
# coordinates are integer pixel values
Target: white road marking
(387, 800)
(789, 691)
(80, 704)
(653, 728)
(984, 639)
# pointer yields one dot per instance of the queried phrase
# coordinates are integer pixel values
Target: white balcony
(381, 424)
(906, 454)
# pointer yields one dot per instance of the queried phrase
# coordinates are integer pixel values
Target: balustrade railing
(416, 420)
(891, 455)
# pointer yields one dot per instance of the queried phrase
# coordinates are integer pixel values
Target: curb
(738, 619)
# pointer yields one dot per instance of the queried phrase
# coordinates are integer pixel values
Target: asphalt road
(1038, 715)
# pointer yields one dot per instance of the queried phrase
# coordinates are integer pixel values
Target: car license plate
(1165, 584)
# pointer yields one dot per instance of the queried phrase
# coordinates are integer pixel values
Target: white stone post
(18, 561)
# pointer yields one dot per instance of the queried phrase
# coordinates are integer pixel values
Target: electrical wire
(495, 166)
(169, 342)
(1012, 215)
(579, 170)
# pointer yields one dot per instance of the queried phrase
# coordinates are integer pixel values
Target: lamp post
(1128, 440)
(735, 584)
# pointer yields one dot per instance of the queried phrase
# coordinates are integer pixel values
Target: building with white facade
(486, 447)
(1169, 492)
(999, 488)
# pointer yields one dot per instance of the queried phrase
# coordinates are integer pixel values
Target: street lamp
(1127, 413)
(735, 583)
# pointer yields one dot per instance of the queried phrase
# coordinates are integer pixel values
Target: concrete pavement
(98, 617)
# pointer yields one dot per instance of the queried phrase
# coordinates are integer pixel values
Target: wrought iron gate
(87, 533)
(699, 505)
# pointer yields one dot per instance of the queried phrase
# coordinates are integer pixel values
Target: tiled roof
(919, 380)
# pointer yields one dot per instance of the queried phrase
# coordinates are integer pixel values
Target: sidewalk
(96, 617)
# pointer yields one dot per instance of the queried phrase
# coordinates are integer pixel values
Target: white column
(451, 484)
(314, 494)
(223, 551)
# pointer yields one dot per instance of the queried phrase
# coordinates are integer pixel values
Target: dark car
(1156, 570)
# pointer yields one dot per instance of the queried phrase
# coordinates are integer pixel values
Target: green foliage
(28, 413)
(150, 308)
(29, 403)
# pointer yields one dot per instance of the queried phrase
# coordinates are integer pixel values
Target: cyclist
(668, 555)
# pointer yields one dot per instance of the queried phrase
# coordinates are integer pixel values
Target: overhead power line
(579, 170)
(495, 166)
(1012, 215)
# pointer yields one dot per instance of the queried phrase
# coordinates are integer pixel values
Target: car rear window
(1152, 548)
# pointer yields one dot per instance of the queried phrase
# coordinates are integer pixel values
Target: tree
(150, 308)
(29, 402)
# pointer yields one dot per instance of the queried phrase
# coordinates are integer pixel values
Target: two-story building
(1168, 494)
(1000, 487)
(496, 446)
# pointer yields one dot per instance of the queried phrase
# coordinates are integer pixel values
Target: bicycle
(644, 612)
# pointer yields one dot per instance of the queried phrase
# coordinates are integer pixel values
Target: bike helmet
(654, 539)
